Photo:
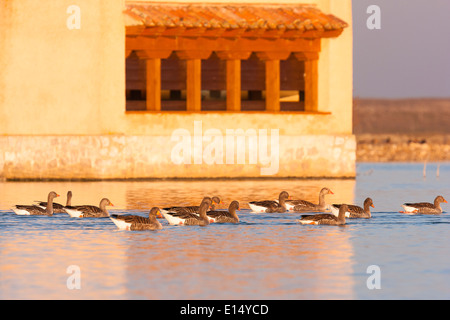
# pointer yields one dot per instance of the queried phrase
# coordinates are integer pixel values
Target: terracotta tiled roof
(300, 18)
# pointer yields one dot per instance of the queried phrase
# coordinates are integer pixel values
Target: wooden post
(311, 85)
(153, 84)
(193, 85)
(273, 85)
(153, 76)
(234, 85)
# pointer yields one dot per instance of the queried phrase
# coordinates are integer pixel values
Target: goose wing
(185, 218)
(324, 218)
(303, 205)
(221, 216)
(424, 207)
(352, 209)
(217, 213)
(265, 203)
(55, 205)
(136, 222)
(421, 205)
(32, 210)
(88, 210)
(188, 209)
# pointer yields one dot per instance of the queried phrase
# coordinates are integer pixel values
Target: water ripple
(265, 256)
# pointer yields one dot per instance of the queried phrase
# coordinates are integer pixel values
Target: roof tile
(239, 16)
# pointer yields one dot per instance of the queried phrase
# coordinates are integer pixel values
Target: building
(125, 89)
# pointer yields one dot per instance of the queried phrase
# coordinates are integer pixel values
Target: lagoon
(266, 256)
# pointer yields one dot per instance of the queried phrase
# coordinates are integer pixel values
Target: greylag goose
(424, 207)
(188, 218)
(138, 223)
(87, 211)
(193, 209)
(270, 206)
(34, 210)
(325, 218)
(229, 216)
(306, 206)
(57, 207)
(355, 211)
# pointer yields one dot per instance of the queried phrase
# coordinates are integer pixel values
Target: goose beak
(111, 204)
(57, 195)
(372, 206)
(445, 201)
(158, 214)
(331, 192)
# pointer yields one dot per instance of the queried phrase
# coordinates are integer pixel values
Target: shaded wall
(402, 116)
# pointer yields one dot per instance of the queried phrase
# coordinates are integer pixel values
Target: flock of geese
(206, 212)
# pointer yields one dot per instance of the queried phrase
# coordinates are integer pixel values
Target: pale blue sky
(409, 57)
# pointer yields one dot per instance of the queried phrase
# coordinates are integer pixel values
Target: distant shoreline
(396, 130)
(401, 147)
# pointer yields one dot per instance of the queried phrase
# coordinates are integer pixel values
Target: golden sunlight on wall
(63, 110)
(57, 80)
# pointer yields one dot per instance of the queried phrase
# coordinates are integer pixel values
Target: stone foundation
(146, 157)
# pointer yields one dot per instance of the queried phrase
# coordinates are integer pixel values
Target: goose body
(290, 205)
(229, 216)
(137, 223)
(261, 206)
(30, 210)
(306, 206)
(57, 207)
(192, 209)
(270, 206)
(33, 210)
(325, 218)
(188, 218)
(424, 207)
(88, 211)
(355, 211)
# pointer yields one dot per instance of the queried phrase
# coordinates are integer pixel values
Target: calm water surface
(266, 256)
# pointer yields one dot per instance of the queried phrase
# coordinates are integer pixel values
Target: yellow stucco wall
(56, 82)
(60, 81)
